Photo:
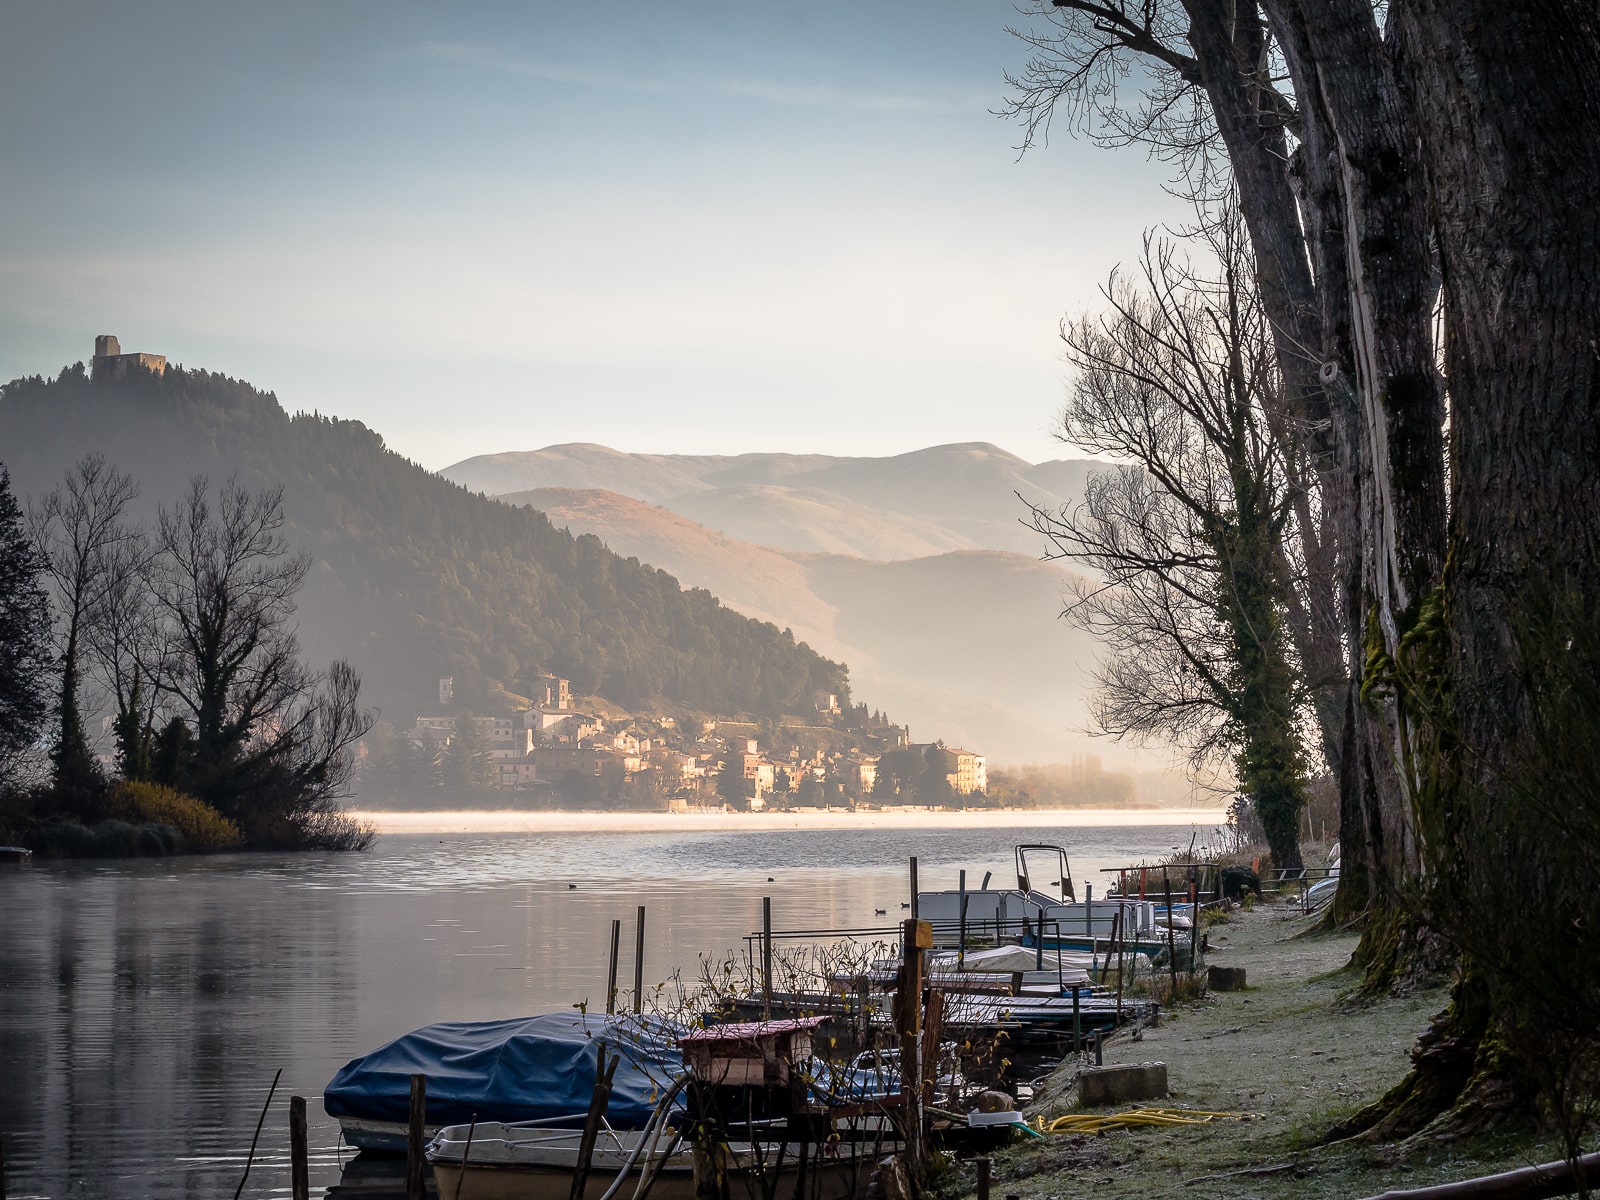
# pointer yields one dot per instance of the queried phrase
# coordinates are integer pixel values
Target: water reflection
(144, 1007)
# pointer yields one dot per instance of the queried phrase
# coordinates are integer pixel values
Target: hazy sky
(685, 227)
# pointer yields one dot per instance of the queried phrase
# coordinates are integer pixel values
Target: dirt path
(1288, 1049)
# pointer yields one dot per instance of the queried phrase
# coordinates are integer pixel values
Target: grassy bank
(1291, 1049)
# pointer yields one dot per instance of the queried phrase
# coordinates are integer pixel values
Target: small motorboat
(537, 1071)
(15, 854)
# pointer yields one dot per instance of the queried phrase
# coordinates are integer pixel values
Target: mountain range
(970, 496)
(918, 570)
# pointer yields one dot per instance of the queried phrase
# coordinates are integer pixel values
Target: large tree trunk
(1227, 40)
(1507, 99)
(1366, 226)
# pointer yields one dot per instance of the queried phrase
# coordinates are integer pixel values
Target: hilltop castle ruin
(111, 363)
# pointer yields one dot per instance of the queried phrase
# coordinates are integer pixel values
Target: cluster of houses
(551, 746)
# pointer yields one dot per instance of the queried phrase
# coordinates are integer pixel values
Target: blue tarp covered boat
(524, 1069)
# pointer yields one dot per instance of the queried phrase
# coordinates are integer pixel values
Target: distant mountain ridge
(940, 617)
(963, 496)
(962, 645)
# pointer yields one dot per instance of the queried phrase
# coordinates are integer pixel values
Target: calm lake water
(144, 1006)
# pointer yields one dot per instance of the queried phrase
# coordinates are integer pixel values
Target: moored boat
(531, 1070)
(507, 1162)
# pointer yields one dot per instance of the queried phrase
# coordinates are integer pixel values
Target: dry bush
(203, 827)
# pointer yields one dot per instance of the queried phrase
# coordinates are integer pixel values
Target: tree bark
(1510, 98)
(1389, 413)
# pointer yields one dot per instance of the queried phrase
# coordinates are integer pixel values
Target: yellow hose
(1139, 1118)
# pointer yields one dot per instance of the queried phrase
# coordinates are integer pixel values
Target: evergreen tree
(810, 795)
(134, 740)
(24, 636)
(732, 786)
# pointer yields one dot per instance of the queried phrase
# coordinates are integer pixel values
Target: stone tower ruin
(111, 363)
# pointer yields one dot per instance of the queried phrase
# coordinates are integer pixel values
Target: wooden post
(961, 935)
(1077, 1021)
(932, 1028)
(1194, 931)
(611, 974)
(1172, 952)
(913, 887)
(711, 1162)
(916, 937)
(638, 965)
(2, 1166)
(598, 1100)
(1120, 933)
(414, 1159)
(250, 1158)
(766, 958)
(1117, 939)
(983, 1177)
(299, 1173)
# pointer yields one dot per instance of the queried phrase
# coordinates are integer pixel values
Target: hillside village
(554, 754)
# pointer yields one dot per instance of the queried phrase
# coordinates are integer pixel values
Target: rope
(1139, 1118)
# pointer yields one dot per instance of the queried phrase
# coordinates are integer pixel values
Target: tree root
(1441, 1066)
(1399, 955)
(1462, 1082)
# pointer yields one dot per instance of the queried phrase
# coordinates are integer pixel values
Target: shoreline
(559, 821)
(1293, 1051)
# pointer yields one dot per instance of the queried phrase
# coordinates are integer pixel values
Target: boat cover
(524, 1069)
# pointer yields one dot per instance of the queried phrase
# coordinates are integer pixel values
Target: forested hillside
(415, 577)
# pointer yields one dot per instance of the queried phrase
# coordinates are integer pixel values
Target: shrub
(203, 827)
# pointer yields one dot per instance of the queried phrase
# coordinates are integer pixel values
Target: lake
(145, 1005)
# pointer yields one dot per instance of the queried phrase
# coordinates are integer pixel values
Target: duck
(878, 912)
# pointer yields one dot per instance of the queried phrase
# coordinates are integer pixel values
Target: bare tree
(125, 642)
(1205, 85)
(1191, 586)
(252, 729)
(1425, 142)
(80, 530)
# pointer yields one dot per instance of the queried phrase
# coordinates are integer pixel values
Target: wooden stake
(1194, 930)
(766, 958)
(961, 936)
(466, 1157)
(260, 1121)
(1172, 953)
(299, 1172)
(1119, 939)
(916, 936)
(932, 1027)
(598, 1100)
(638, 965)
(414, 1159)
(611, 974)
(983, 1177)
(913, 887)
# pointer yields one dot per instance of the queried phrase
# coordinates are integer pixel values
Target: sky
(687, 228)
